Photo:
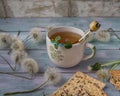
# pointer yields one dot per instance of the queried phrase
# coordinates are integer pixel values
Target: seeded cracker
(115, 78)
(81, 85)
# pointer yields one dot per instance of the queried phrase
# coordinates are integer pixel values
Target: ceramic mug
(66, 58)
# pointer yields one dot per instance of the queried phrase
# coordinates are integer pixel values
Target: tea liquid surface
(67, 37)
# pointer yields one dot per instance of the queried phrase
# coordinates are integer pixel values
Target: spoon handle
(94, 26)
(84, 36)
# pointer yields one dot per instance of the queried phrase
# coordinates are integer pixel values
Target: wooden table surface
(106, 52)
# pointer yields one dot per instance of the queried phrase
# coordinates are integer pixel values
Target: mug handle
(92, 47)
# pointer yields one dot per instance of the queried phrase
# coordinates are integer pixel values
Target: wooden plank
(2, 10)
(61, 8)
(95, 8)
(37, 8)
(8, 84)
(25, 24)
(41, 56)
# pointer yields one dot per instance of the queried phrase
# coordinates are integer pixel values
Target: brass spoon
(94, 26)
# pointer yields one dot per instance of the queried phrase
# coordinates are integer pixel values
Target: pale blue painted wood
(25, 24)
(43, 60)
(106, 52)
(15, 84)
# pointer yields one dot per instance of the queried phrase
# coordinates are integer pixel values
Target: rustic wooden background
(59, 8)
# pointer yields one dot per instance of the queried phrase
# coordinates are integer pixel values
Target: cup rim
(65, 27)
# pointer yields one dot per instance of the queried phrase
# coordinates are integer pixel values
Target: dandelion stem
(27, 91)
(13, 74)
(7, 62)
(114, 66)
(110, 63)
(98, 66)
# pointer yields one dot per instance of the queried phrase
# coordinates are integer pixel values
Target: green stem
(27, 91)
(114, 66)
(110, 63)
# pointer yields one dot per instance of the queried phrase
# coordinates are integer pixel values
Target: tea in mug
(66, 37)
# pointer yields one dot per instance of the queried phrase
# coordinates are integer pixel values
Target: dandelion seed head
(14, 38)
(18, 56)
(36, 34)
(17, 45)
(30, 65)
(5, 40)
(89, 68)
(102, 35)
(52, 75)
(103, 74)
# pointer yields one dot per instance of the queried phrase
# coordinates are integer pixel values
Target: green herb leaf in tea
(57, 38)
(55, 41)
(56, 45)
(68, 45)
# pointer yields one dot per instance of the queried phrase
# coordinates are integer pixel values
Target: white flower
(18, 56)
(36, 34)
(5, 40)
(17, 45)
(102, 35)
(30, 65)
(52, 75)
(103, 74)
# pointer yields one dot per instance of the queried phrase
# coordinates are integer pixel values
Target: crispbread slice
(77, 86)
(93, 90)
(112, 80)
(70, 89)
(115, 72)
(91, 79)
(117, 85)
(115, 78)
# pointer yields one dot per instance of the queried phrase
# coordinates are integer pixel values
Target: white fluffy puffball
(18, 56)
(53, 75)
(5, 40)
(103, 74)
(102, 35)
(17, 45)
(36, 34)
(30, 65)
